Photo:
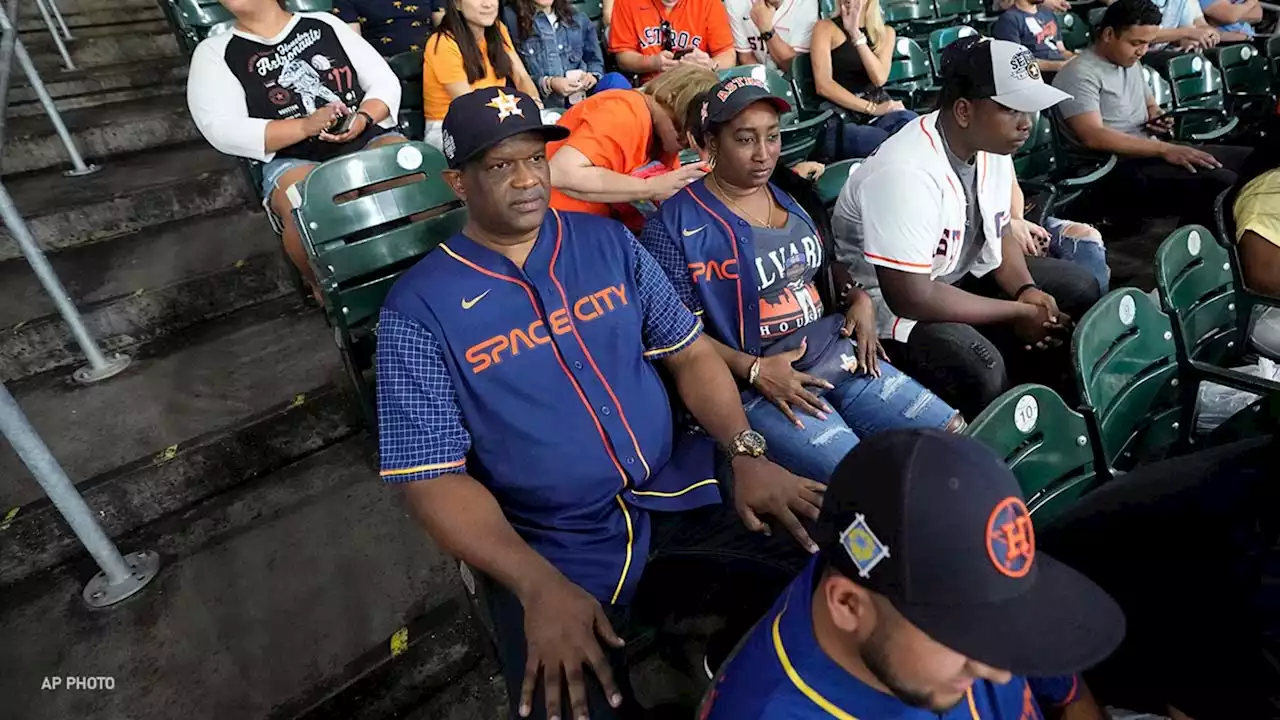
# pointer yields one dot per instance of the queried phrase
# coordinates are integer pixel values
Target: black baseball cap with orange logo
(936, 523)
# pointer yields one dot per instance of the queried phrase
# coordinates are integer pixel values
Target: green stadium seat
(1039, 170)
(1199, 100)
(902, 15)
(1247, 300)
(1245, 78)
(1198, 289)
(945, 13)
(593, 9)
(1273, 59)
(309, 5)
(827, 8)
(808, 101)
(833, 180)
(911, 76)
(1074, 30)
(1127, 373)
(408, 67)
(1159, 88)
(1044, 442)
(359, 247)
(939, 39)
(1095, 16)
(196, 20)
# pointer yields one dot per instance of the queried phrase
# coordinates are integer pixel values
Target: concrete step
(139, 287)
(230, 400)
(129, 193)
(290, 588)
(40, 39)
(106, 50)
(80, 7)
(478, 695)
(93, 82)
(119, 13)
(99, 132)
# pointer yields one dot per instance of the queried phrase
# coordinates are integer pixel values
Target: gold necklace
(720, 191)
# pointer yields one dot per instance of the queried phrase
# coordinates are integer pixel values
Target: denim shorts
(863, 405)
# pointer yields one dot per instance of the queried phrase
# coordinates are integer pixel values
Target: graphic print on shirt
(787, 275)
(306, 70)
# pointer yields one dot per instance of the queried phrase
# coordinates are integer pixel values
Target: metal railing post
(57, 39)
(121, 576)
(33, 77)
(57, 14)
(7, 40)
(100, 366)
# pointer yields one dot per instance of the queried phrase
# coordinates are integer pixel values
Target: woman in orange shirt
(469, 50)
(619, 141)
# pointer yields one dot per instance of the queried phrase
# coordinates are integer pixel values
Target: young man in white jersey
(772, 32)
(927, 225)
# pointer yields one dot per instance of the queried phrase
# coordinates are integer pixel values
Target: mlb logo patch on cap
(862, 545)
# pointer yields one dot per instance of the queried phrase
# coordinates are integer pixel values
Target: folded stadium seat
(941, 38)
(945, 13)
(1075, 31)
(1199, 100)
(911, 76)
(1044, 442)
(801, 131)
(408, 67)
(902, 15)
(1095, 16)
(1198, 289)
(1127, 372)
(810, 102)
(593, 9)
(196, 20)
(359, 247)
(1053, 184)
(1245, 79)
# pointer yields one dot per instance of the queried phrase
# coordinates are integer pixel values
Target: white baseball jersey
(793, 22)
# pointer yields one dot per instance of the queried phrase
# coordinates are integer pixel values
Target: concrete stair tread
(181, 388)
(46, 192)
(96, 72)
(139, 262)
(265, 596)
(40, 37)
(31, 20)
(116, 115)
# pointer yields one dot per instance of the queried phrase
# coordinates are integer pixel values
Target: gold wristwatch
(747, 442)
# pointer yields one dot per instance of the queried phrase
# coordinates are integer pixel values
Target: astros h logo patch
(1011, 540)
(506, 105)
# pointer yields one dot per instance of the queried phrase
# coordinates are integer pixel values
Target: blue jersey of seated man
(390, 26)
(539, 382)
(781, 672)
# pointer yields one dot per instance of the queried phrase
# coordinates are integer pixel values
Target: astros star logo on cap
(506, 105)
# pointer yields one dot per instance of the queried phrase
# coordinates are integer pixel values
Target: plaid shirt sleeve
(669, 326)
(420, 430)
(670, 257)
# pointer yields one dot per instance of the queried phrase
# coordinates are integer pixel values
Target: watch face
(752, 443)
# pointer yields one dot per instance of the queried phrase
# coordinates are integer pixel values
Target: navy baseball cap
(936, 523)
(723, 102)
(483, 118)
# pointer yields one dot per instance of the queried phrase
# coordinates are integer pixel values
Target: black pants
(697, 559)
(969, 366)
(1190, 548)
(1143, 187)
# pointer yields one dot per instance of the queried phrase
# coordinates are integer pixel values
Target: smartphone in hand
(341, 124)
(1160, 125)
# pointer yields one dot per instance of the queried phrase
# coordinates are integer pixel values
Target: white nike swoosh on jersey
(468, 304)
(695, 231)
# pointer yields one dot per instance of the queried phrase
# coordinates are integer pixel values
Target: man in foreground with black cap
(520, 406)
(929, 224)
(927, 600)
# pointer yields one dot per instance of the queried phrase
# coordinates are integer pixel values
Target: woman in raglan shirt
(279, 89)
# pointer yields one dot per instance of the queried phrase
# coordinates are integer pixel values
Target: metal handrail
(120, 576)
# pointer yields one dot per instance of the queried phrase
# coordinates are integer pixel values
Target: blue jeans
(862, 140)
(1082, 246)
(863, 406)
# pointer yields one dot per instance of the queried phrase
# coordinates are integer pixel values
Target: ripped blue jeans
(1082, 246)
(863, 405)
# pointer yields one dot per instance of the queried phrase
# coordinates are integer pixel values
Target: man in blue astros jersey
(927, 601)
(520, 407)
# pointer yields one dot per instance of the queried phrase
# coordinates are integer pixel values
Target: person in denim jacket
(554, 39)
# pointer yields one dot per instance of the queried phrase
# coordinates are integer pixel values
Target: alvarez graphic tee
(239, 82)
